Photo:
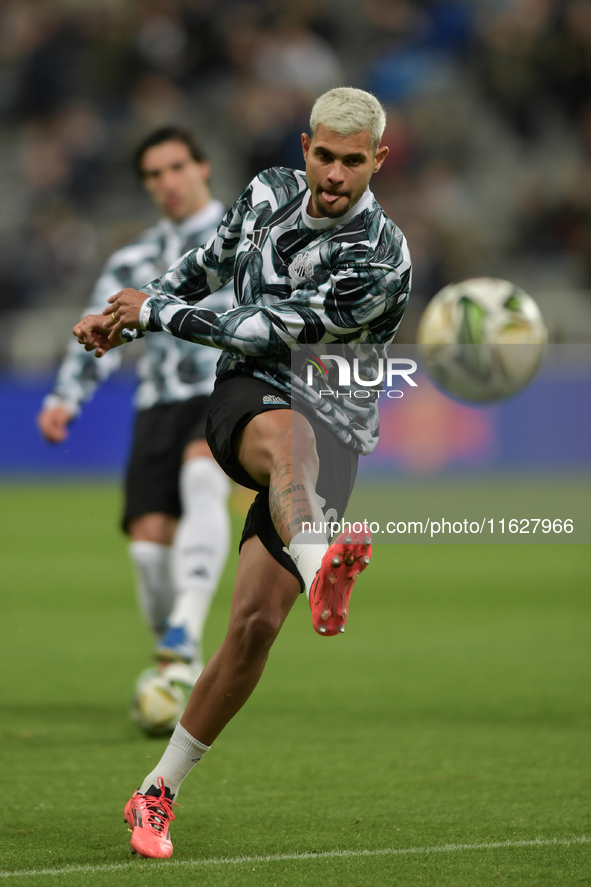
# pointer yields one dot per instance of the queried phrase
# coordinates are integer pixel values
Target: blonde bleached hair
(346, 110)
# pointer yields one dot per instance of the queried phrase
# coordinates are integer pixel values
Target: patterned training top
(299, 282)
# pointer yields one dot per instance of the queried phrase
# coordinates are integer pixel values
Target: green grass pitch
(453, 713)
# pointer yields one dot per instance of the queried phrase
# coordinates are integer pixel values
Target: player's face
(338, 169)
(175, 181)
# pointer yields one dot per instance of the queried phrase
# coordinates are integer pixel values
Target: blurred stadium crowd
(489, 105)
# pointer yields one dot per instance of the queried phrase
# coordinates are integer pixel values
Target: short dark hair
(168, 134)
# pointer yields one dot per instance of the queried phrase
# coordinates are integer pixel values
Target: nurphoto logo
(386, 370)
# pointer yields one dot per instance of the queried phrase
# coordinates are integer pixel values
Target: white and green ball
(160, 697)
(481, 339)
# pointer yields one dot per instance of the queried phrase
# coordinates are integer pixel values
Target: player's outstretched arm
(319, 313)
(79, 375)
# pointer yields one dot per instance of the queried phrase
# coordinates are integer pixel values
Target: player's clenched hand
(124, 311)
(91, 332)
(53, 423)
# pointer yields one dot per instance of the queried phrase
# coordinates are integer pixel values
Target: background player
(175, 508)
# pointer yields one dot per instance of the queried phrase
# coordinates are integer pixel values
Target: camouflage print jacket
(298, 282)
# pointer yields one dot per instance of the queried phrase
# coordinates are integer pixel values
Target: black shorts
(236, 400)
(160, 436)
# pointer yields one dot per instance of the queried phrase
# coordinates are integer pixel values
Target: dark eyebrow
(348, 158)
(156, 172)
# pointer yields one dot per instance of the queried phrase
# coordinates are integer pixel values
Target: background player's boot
(344, 560)
(176, 645)
(148, 818)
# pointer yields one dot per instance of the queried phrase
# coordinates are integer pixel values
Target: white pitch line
(297, 857)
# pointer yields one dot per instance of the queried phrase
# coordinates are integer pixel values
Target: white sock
(201, 543)
(155, 590)
(306, 551)
(181, 755)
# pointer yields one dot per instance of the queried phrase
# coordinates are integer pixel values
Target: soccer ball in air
(481, 339)
(160, 697)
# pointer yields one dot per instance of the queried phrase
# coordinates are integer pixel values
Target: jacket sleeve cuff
(145, 312)
(51, 401)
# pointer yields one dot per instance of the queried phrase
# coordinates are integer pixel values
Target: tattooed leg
(278, 449)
